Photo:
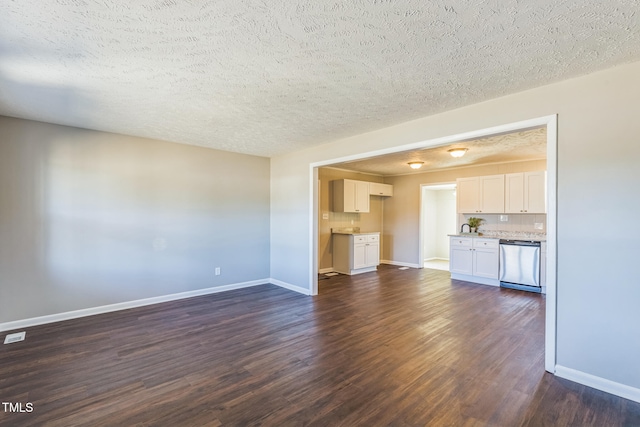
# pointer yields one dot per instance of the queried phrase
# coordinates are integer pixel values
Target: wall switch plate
(538, 225)
(504, 218)
(217, 271)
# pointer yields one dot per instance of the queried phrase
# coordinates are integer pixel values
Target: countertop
(352, 230)
(534, 237)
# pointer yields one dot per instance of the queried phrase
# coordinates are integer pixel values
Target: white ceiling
(530, 144)
(268, 77)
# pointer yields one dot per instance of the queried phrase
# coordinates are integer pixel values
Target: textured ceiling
(268, 77)
(519, 146)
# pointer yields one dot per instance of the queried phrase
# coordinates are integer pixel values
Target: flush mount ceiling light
(415, 165)
(457, 152)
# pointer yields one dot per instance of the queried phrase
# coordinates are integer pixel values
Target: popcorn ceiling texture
(269, 77)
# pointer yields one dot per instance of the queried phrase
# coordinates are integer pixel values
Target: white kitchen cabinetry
(379, 189)
(480, 194)
(474, 259)
(461, 255)
(356, 253)
(526, 192)
(350, 196)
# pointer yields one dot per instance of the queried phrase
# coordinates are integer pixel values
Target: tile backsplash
(530, 223)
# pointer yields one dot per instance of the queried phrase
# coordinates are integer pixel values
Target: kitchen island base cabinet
(474, 260)
(356, 253)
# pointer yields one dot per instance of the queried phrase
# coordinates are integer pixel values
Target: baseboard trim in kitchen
(325, 270)
(59, 317)
(289, 286)
(599, 383)
(400, 264)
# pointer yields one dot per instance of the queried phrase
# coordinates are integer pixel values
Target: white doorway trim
(551, 123)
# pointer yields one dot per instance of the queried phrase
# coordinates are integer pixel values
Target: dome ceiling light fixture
(415, 165)
(457, 152)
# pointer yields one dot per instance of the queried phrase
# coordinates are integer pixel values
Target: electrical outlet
(538, 225)
(325, 216)
(217, 271)
(504, 218)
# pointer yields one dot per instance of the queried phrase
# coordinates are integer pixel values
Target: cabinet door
(467, 195)
(359, 256)
(486, 263)
(372, 254)
(378, 189)
(535, 190)
(361, 196)
(461, 260)
(349, 195)
(492, 194)
(514, 193)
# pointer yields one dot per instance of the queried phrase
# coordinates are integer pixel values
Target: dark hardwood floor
(396, 347)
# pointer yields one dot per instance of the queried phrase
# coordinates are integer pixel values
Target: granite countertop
(351, 230)
(508, 235)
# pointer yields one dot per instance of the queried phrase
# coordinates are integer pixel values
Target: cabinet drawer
(359, 239)
(464, 242)
(486, 243)
(373, 238)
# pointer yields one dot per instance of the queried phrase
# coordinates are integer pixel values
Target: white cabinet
(474, 259)
(378, 189)
(486, 256)
(468, 194)
(461, 255)
(350, 196)
(356, 253)
(480, 194)
(526, 192)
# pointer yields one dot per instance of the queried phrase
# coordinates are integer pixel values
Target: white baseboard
(325, 270)
(436, 259)
(289, 286)
(602, 384)
(400, 264)
(25, 323)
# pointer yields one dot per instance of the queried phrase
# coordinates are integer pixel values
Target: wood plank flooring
(391, 348)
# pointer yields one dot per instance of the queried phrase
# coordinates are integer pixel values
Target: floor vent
(403, 268)
(11, 338)
(331, 274)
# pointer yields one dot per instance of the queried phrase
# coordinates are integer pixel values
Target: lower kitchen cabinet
(474, 259)
(356, 253)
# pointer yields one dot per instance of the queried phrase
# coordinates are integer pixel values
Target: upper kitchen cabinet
(526, 192)
(480, 194)
(378, 189)
(350, 196)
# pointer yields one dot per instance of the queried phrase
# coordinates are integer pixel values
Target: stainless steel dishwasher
(520, 265)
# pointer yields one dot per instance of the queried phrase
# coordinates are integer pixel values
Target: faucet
(462, 227)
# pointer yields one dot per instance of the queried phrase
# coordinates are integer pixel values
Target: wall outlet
(325, 216)
(504, 218)
(217, 271)
(538, 225)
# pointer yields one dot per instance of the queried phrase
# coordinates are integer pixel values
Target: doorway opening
(437, 222)
(550, 124)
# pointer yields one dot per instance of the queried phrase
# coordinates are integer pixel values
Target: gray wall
(597, 187)
(91, 218)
